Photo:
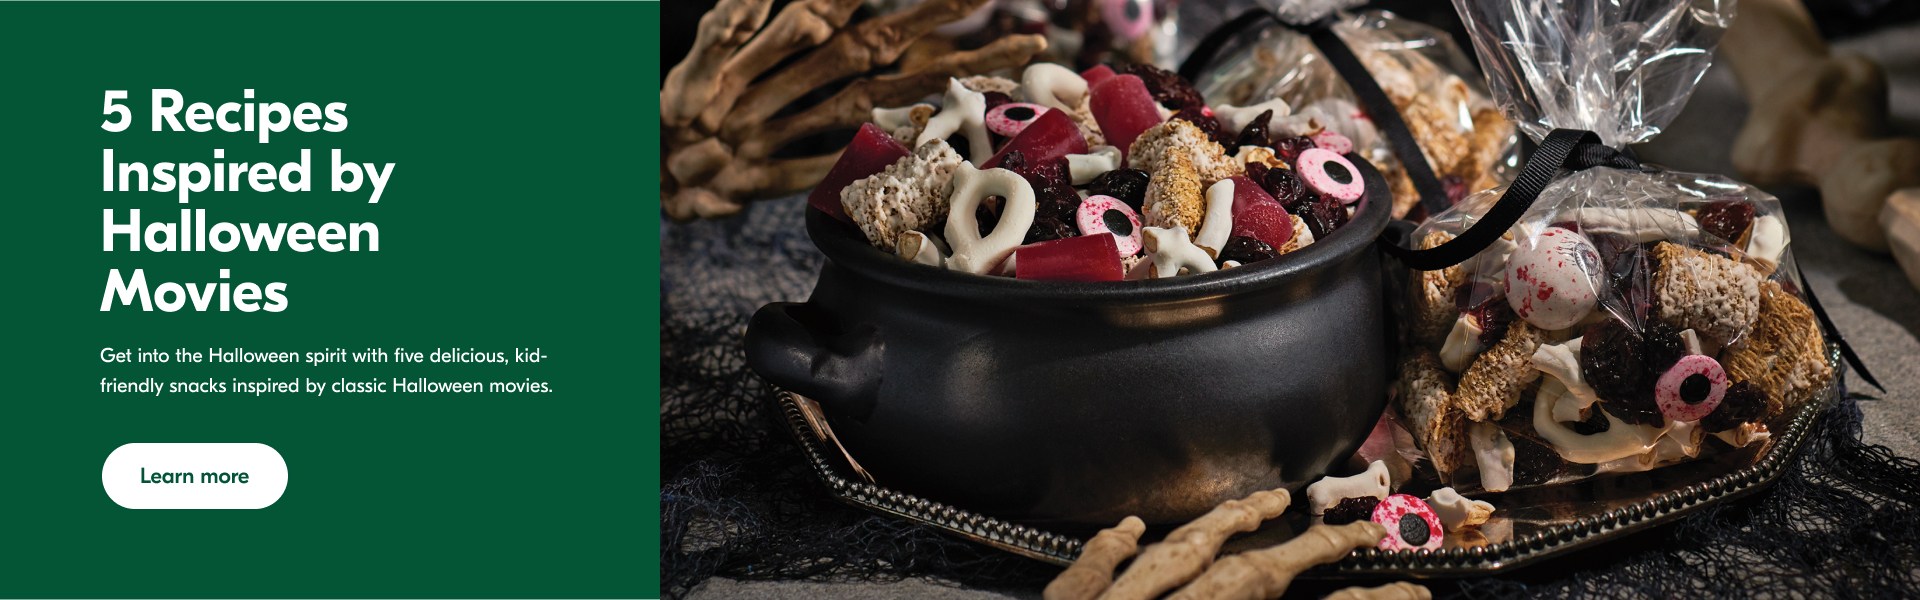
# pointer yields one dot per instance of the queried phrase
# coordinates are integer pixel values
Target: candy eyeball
(1331, 175)
(1100, 214)
(1013, 117)
(1332, 142)
(1410, 523)
(1553, 279)
(1127, 19)
(1691, 388)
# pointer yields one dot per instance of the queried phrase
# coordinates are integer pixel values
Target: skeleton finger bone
(1329, 491)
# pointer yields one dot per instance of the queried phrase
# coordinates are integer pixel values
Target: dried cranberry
(1048, 228)
(1663, 346)
(1014, 160)
(1129, 185)
(1055, 201)
(986, 214)
(1289, 149)
(1494, 315)
(1168, 88)
(1257, 171)
(1246, 250)
(1286, 187)
(1474, 294)
(1726, 219)
(1743, 403)
(1456, 187)
(1325, 215)
(1257, 132)
(1613, 362)
(1350, 510)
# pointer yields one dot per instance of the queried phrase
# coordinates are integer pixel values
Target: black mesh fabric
(738, 501)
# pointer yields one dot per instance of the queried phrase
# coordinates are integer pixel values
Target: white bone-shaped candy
(1218, 224)
(1493, 452)
(1329, 491)
(1767, 242)
(1457, 511)
(971, 252)
(920, 248)
(895, 118)
(1236, 118)
(1462, 345)
(1172, 250)
(1053, 86)
(964, 111)
(1083, 168)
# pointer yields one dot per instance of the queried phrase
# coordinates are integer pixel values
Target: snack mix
(1101, 175)
(1601, 338)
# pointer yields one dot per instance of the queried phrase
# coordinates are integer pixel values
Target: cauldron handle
(793, 346)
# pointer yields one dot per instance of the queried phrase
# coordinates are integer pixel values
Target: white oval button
(231, 476)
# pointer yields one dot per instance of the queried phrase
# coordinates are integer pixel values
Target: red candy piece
(1125, 109)
(1082, 258)
(871, 151)
(1258, 216)
(1096, 75)
(1410, 523)
(1047, 138)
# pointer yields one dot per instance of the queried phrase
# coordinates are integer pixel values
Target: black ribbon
(1366, 90)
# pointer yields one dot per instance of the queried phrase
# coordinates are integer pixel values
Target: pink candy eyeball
(1410, 523)
(1127, 19)
(1332, 142)
(1331, 175)
(1107, 214)
(1013, 117)
(1691, 388)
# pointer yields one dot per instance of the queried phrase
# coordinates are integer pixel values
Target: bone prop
(1083, 168)
(1053, 86)
(971, 252)
(1267, 573)
(1218, 225)
(1329, 491)
(1817, 117)
(1457, 512)
(1093, 571)
(1170, 251)
(1399, 590)
(964, 111)
(1191, 548)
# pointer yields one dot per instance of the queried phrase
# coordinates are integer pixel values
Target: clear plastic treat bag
(1599, 315)
(1466, 144)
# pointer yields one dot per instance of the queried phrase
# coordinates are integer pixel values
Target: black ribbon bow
(1563, 150)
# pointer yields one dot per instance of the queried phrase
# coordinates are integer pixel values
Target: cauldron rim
(846, 247)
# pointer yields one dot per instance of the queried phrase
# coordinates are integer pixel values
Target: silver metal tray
(1529, 525)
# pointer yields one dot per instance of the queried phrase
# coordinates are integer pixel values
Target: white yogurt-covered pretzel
(964, 111)
(971, 252)
(1172, 250)
(1053, 86)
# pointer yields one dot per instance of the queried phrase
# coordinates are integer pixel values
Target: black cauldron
(1077, 404)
